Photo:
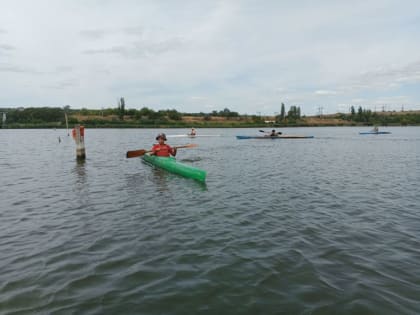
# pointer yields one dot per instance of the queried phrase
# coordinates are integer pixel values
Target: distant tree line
(32, 115)
(55, 116)
(359, 116)
(366, 116)
(44, 117)
(293, 115)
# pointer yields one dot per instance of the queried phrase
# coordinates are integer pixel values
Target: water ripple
(324, 226)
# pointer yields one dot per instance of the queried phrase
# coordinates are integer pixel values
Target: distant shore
(54, 118)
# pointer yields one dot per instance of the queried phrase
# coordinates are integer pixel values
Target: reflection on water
(80, 170)
(159, 178)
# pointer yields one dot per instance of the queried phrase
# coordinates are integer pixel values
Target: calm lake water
(329, 225)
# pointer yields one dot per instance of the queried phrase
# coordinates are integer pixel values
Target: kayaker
(274, 133)
(161, 148)
(192, 133)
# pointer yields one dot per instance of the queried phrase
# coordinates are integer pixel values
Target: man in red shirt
(161, 148)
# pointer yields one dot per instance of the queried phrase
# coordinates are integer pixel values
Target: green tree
(174, 115)
(121, 108)
(294, 113)
(360, 114)
(227, 113)
(282, 112)
(352, 112)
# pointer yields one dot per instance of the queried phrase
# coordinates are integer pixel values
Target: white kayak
(191, 136)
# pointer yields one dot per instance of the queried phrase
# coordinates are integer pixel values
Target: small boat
(275, 137)
(171, 165)
(374, 132)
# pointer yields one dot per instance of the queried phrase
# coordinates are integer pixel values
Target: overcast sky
(200, 56)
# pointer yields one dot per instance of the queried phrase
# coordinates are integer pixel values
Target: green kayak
(171, 165)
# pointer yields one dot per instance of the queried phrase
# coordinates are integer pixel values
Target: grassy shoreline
(42, 120)
(188, 126)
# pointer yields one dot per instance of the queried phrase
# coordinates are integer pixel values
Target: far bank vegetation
(120, 117)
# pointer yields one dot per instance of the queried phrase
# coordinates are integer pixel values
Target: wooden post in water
(67, 124)
(78, 134)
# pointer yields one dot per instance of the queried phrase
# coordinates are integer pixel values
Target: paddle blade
(135, 153)
(191, 145)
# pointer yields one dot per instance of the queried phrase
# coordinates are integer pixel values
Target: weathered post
(78, 134)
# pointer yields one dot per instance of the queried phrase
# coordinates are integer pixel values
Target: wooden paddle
(137, 153)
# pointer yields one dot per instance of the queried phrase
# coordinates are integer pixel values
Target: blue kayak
(274, 137)
(374, 133)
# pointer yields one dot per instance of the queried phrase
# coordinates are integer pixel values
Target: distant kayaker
(274, 133)
(161, 148)
(192, 133)
(375, 129)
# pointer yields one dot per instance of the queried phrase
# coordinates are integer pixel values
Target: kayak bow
(171, 165)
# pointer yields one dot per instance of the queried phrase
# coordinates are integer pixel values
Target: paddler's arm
(154, 150)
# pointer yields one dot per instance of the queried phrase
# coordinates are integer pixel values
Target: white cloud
(325, 92)
(237, 54)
